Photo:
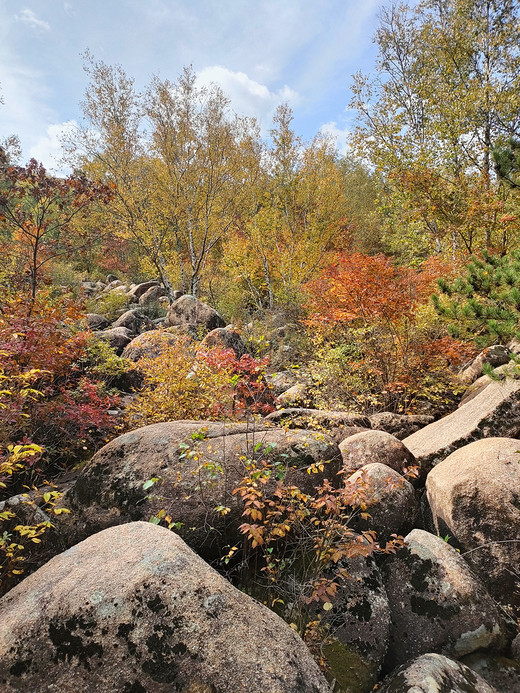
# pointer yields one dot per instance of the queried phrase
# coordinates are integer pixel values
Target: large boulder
(188, 310)
(496, 355)
(196, 467)
(281, 381)
(152, 295)
(133, 609)
(369, 447)
(117, 337)
(149, 345)
(474, 496)
(434, 673)
(96, 321)
(134, 320)
(436, 603)
(494, 412)
(296, 395)
(392, 504)
(225, 338)
(139, 289)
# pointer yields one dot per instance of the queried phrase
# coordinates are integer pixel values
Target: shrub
(69, 415)
(111, 305)
(184, 382)
(397, 353)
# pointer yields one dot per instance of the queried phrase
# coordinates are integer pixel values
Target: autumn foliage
(66, 411)
(382, 310)
(185, 382)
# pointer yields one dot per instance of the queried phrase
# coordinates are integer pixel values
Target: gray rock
(474, 496)
(197, 466)
(139, 289)
(357, 626)
(113, 285)
(133, 609)
(496, 355)
(225, 338)
(500, 373)
(375, 446)
(392, 507)
(434, 673)
(437, 605)
(117, 337)
(500, 672)
(399, 425)
(188, 310)
(494, 412)
(294, 396)
(152, 295)
(281, 381)
(149, 345)
(135, 321)
(96, 321)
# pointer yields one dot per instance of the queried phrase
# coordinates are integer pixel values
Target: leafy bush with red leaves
(66, 412)
(185, 382)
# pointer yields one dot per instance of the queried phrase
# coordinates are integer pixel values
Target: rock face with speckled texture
(433, 673)
(370, 447)
(133, 610)
(436, 603)
(494, 412)
(197, 466)
(474, 495)
(357, 626)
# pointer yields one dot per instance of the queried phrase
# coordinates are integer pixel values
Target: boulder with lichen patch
(133, 609)
(196, 467)
(437, 604)
(356, 626)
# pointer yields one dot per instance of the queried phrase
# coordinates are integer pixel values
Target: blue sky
(262, 53)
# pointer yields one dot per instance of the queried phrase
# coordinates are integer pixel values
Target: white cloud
(28, 17)
(247, 96)
(48, 149)
(338, 135)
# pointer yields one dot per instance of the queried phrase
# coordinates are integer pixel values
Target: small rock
(434, 673)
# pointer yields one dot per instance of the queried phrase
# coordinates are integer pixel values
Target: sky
(261, 52)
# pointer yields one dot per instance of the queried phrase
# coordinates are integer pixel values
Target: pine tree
(485, 305)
